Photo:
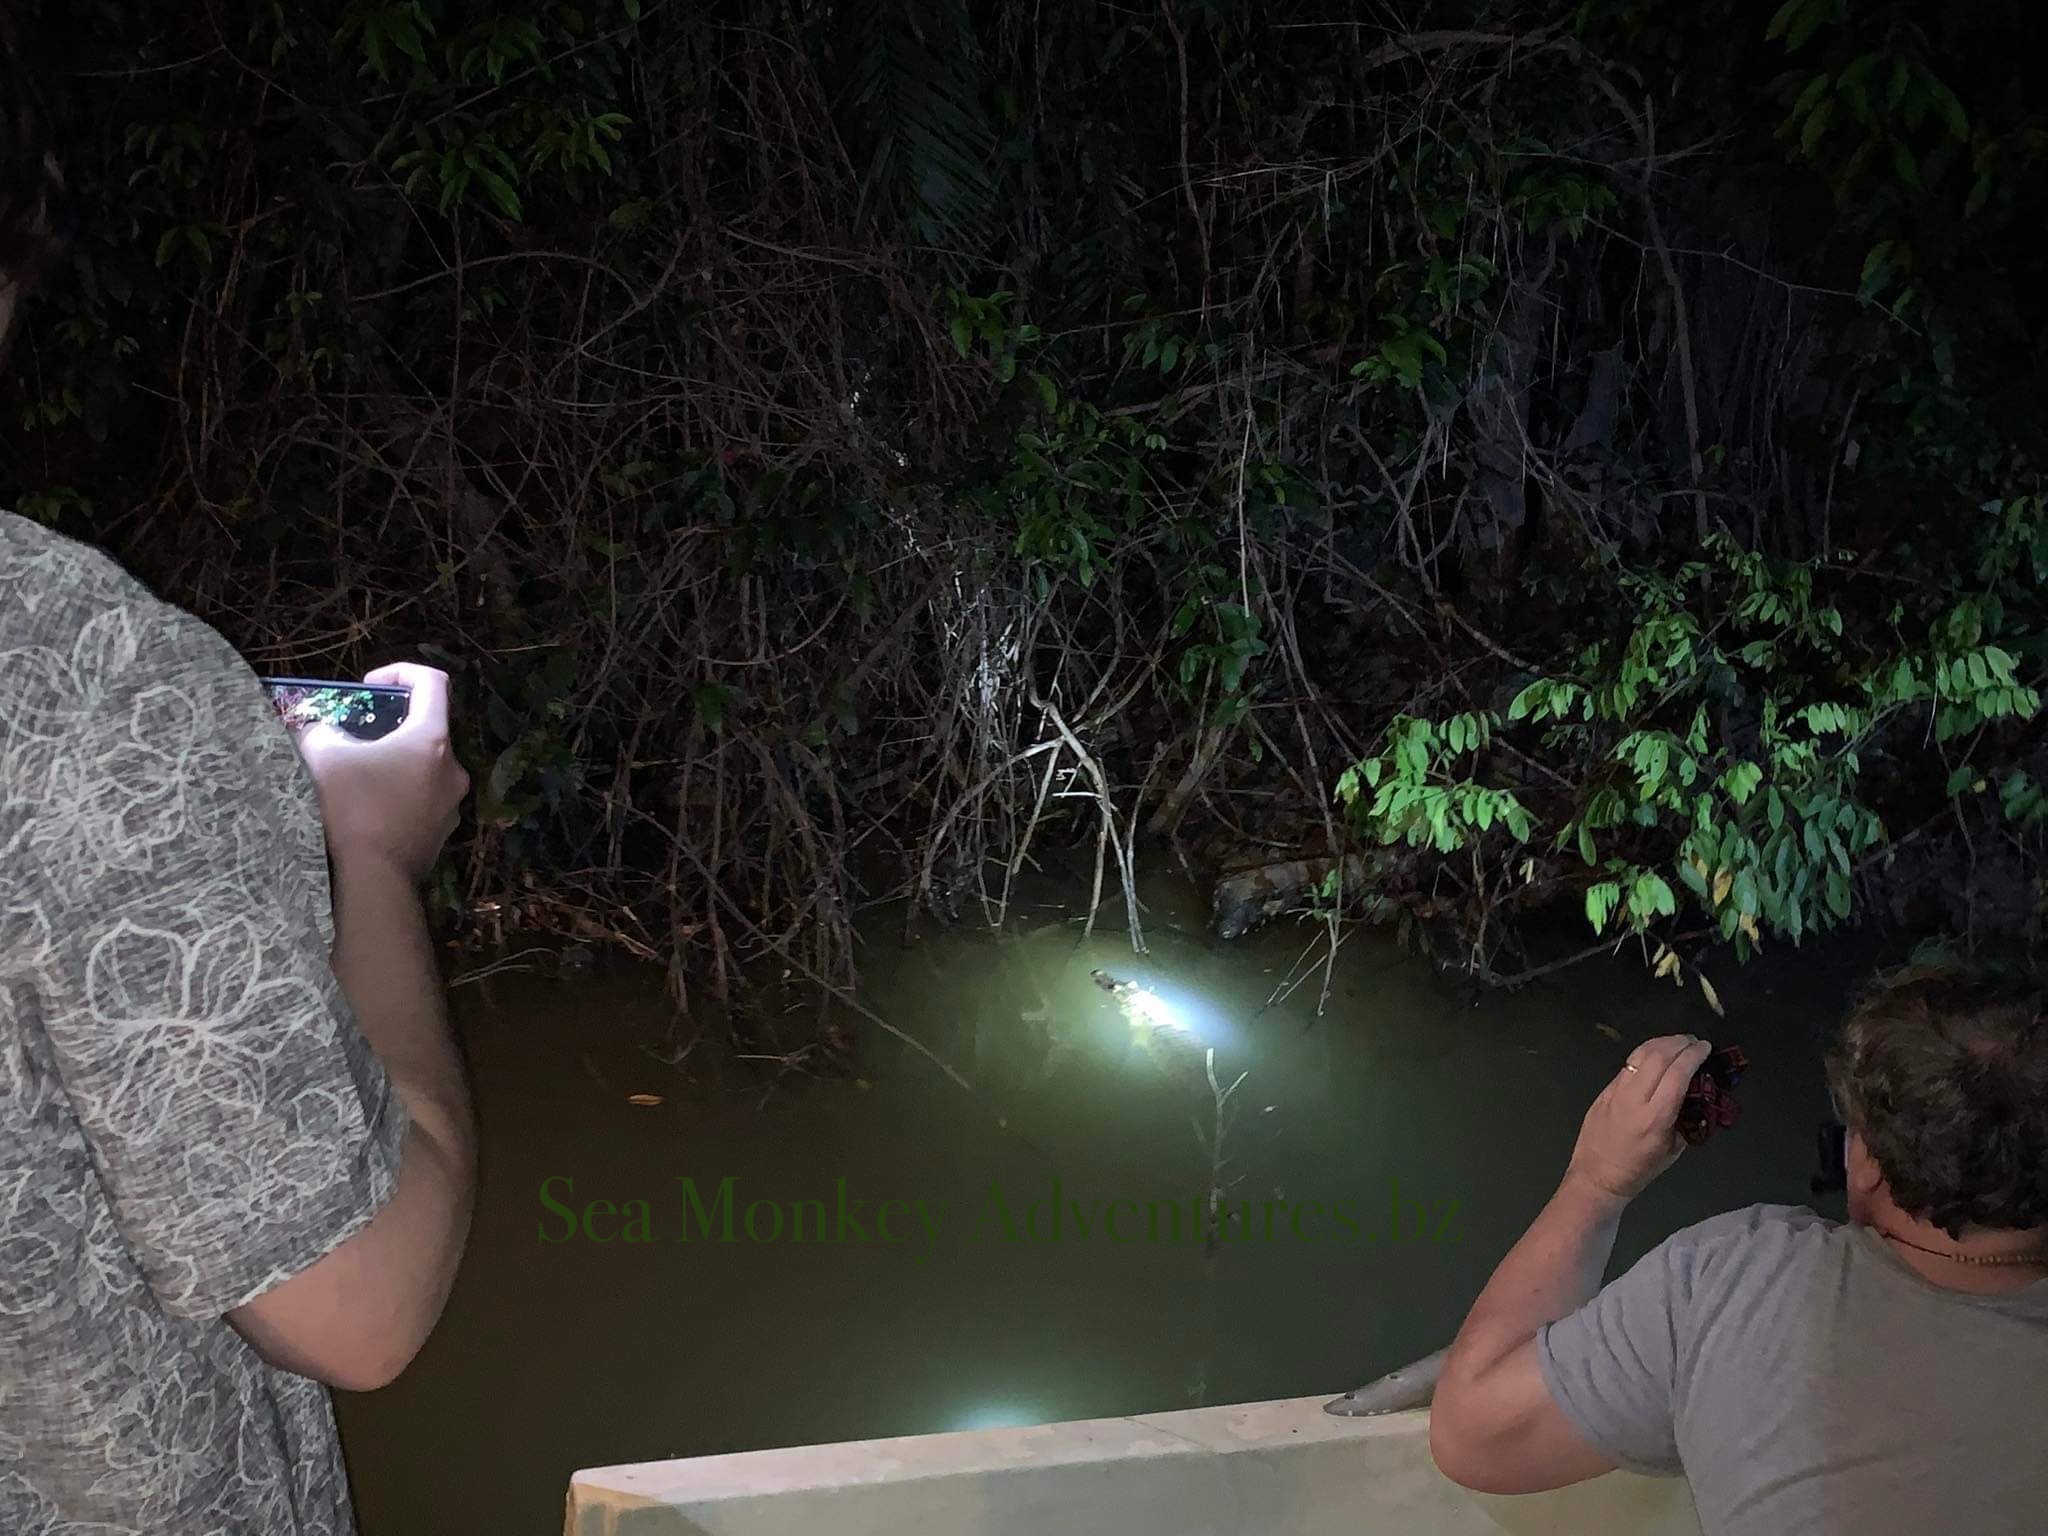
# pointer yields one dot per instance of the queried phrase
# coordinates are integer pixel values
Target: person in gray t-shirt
(1885, 1375)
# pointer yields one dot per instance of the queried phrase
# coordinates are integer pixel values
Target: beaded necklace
(2034, 1256)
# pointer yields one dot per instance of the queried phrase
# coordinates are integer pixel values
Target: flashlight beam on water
(1156, 1010)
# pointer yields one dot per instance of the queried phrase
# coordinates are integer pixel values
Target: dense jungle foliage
(1520, 455)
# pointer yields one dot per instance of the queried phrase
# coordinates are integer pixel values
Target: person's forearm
(384, 959)
(355, 1317)
(1554, 1270)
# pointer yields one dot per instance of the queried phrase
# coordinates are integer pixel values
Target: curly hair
(1944, 1075)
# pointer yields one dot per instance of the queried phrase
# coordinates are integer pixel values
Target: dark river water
(1377, 1161)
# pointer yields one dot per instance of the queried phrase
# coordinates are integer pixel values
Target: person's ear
(1865, 1177)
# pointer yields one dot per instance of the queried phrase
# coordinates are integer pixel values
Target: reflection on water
(1182, 1187)
(999, 1415)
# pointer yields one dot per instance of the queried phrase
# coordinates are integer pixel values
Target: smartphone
(363, 710)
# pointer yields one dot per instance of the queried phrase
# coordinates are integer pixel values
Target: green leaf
(1951, 109)
(1741, 780)
(1743, 894)
(497, 804)
(1809, 98)
(1903, 162)
(1690, 877)
(1805, 24)
(501, 191)
(1781, 20)
(1601, 901)
(1650, 897)
(1855, 85)
(1895, 91)
(1877, 266)
(2021, 799)
(1816, 125)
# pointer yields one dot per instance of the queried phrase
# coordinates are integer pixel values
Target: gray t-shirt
(188, 1112)
(1808, 1383)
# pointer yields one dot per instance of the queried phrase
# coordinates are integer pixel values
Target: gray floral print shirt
(188, 1113)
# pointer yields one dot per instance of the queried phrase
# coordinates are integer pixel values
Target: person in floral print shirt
(235, 1149)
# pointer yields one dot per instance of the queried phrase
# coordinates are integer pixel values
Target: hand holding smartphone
(391, 789)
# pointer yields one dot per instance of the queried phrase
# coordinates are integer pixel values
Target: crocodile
(1115, 986)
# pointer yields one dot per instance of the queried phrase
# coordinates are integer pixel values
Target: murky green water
(1436, 1122)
